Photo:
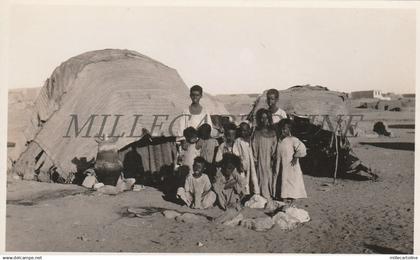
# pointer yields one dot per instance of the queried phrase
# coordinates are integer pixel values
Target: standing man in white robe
(195, 115)
(272, 100)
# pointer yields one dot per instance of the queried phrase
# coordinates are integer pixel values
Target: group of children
(262, 159)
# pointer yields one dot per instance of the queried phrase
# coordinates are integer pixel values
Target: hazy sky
(226, 50)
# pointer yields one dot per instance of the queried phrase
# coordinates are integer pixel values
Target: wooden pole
(336, 158)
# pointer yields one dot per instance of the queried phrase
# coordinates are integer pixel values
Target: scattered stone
(142, 212)
(258, 224)
(170, 214)
(256, 202)
(270, 206)
(226, 216)
(247, 223)
(279, 204)
(234, 221)
(135, 210)
(300, 214)
(138, 187)
(98, 185)
(191, 218)
(263, 224)
(285, 221)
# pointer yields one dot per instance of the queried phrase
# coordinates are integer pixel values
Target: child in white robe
(289, 150)
(197, 192)
(228, 140)
(243, 149)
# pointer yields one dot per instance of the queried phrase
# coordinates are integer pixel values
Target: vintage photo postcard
(236, 127)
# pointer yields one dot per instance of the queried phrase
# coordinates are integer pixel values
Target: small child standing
(242, 148)
(229, 139)
(197, 192)
(206, 144)
(229, 185)
(190, 147)
(289, 150)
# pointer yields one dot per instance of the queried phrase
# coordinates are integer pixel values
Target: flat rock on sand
(191, 218)
(258, 224)
(171, 214)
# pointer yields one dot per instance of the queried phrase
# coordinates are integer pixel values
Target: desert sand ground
(352, 216)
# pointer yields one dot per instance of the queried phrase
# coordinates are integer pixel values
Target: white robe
(292, 185)
(195, 121)
(243, 149)
(278, 115)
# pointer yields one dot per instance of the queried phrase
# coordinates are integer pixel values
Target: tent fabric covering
(105, 82)
(321, 151)
(305, 101)
(148, 157)
(309, 100)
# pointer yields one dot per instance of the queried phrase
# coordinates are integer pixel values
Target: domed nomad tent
(307, 101)
(105, 92)
(319, 117)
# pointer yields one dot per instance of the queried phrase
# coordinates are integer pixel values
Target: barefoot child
(242, 148)
(229, 184)
(289, 150)
(264, 144)
(197, 192)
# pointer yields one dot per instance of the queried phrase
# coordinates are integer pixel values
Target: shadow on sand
(392, 145)
(401, 126)
(383, 250)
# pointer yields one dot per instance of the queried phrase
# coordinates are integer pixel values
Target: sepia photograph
(235, 128)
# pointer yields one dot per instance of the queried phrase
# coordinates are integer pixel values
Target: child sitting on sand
(242, 148)
(190, 147)
(197, 192)
(229, 184)
(289, 150)
(229, 139)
